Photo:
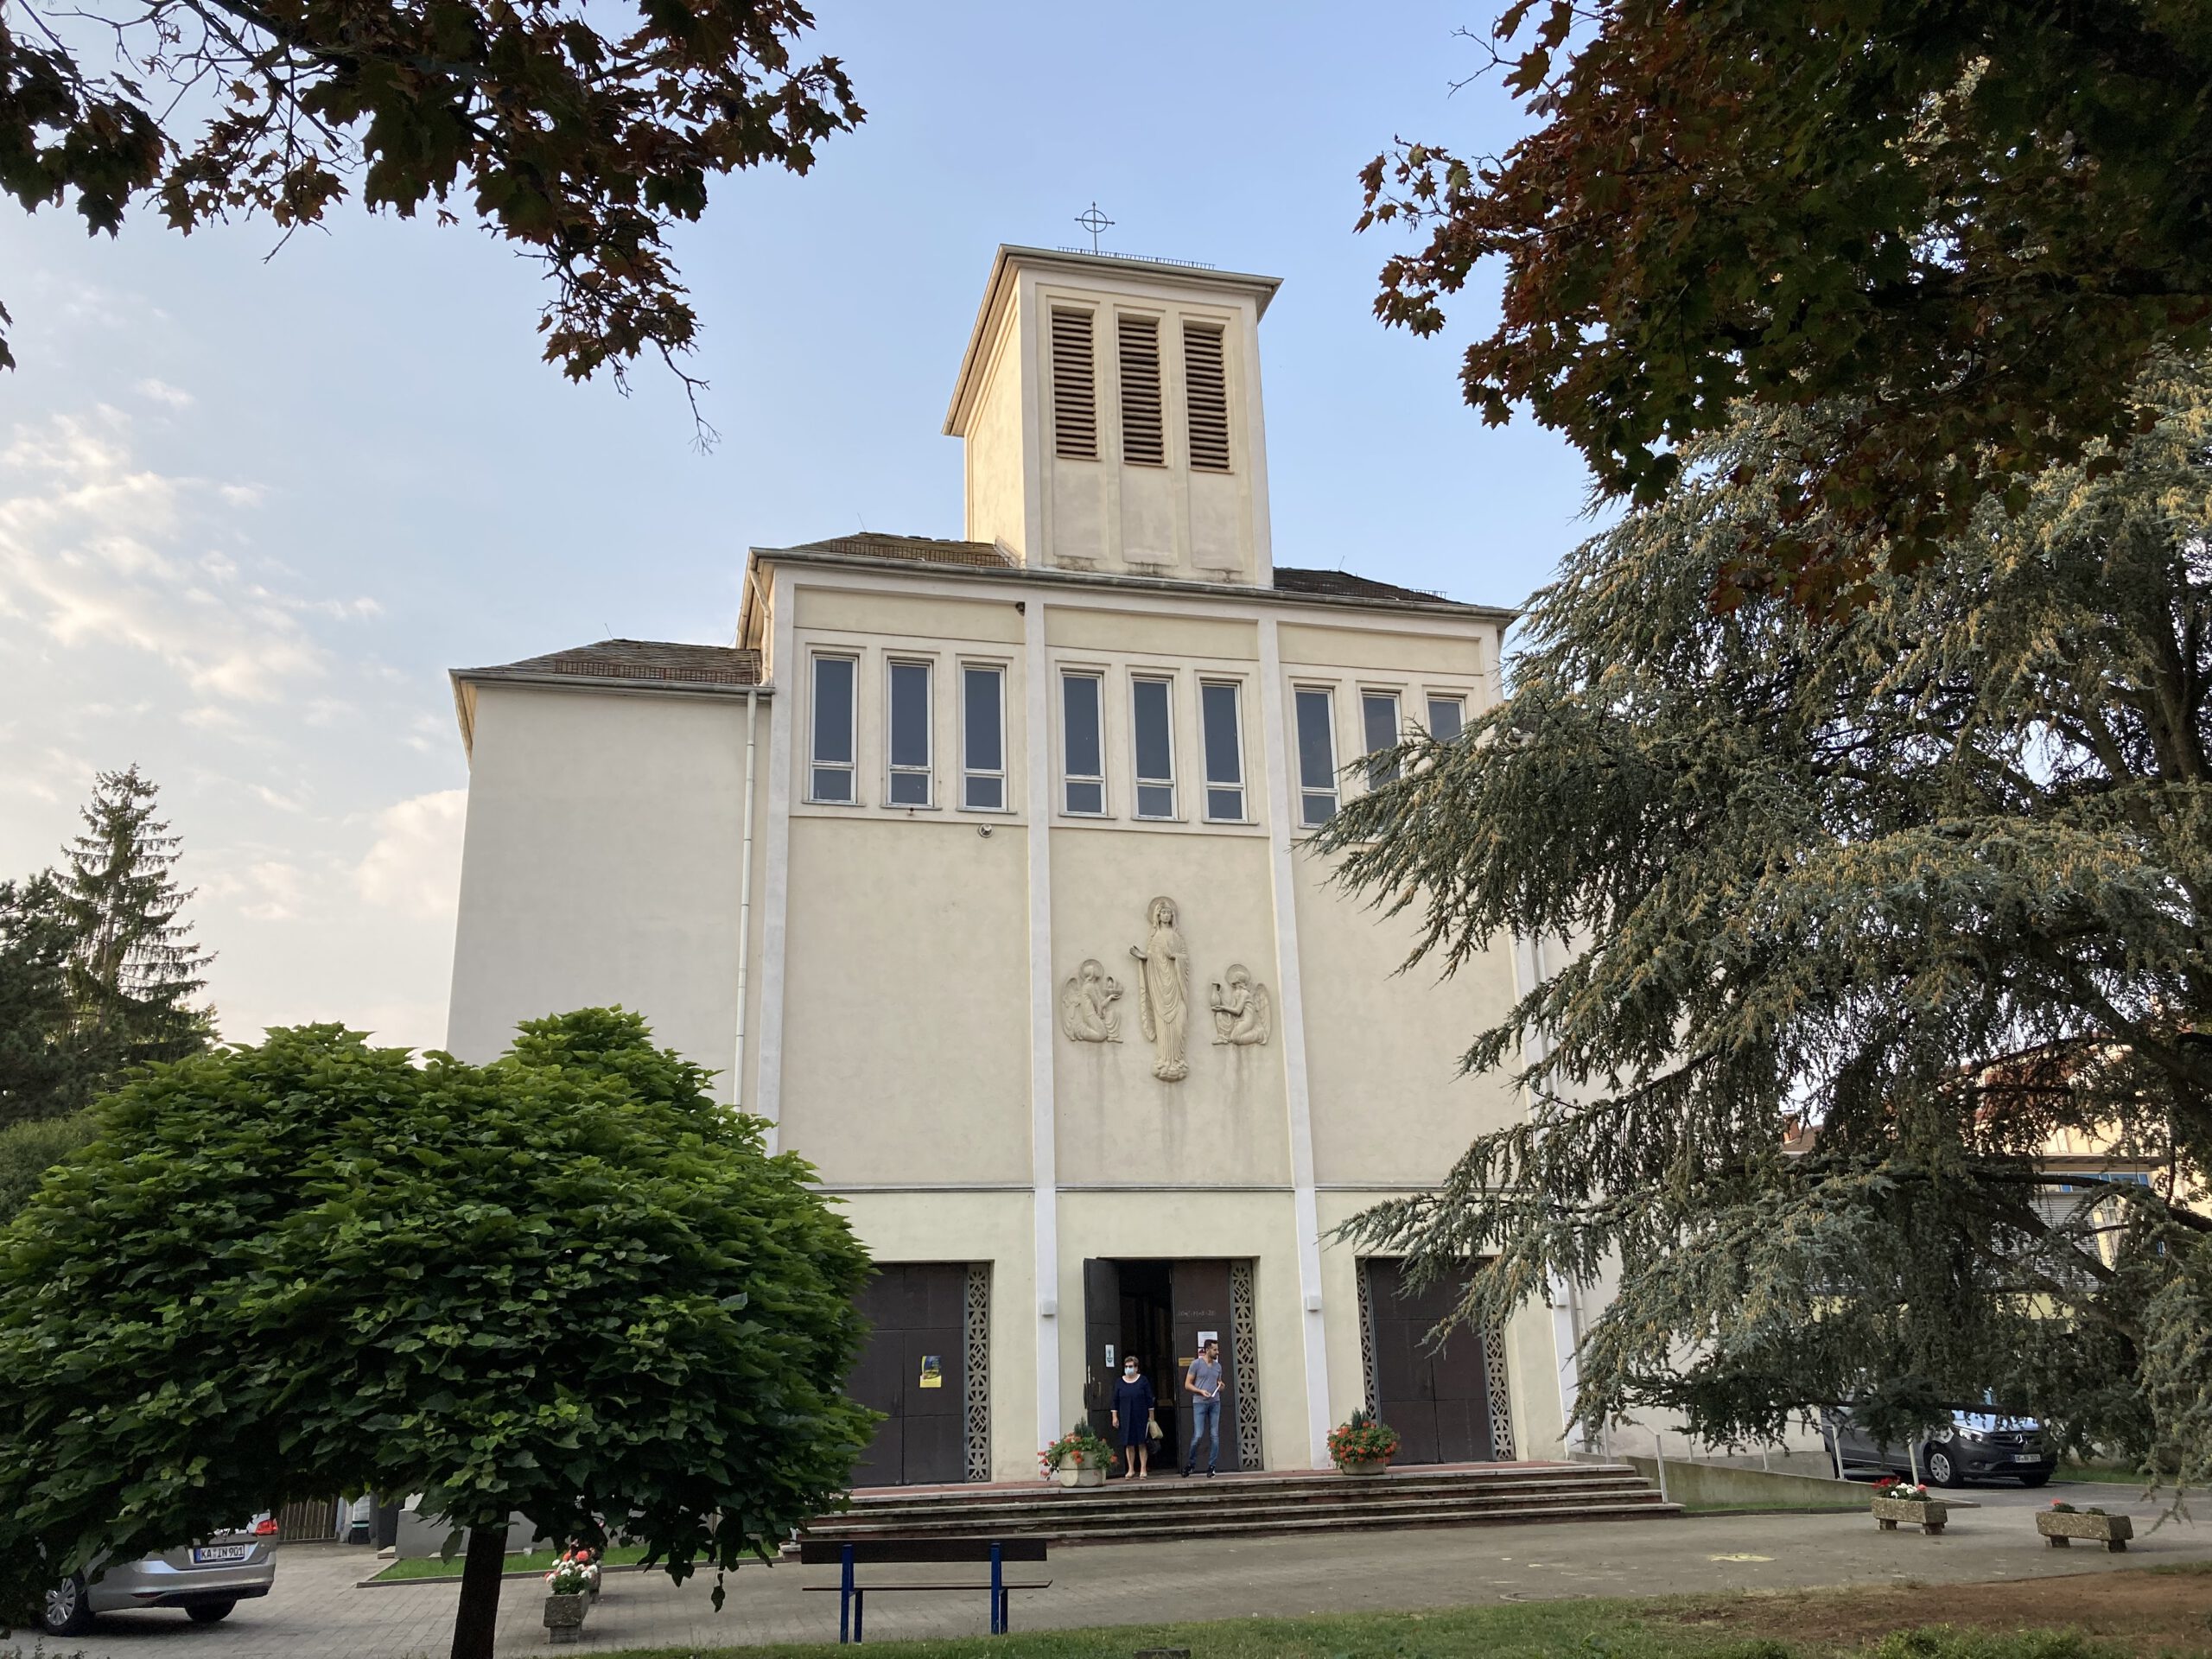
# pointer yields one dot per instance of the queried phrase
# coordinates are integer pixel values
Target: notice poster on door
(932, 1371)
(1206, 1336)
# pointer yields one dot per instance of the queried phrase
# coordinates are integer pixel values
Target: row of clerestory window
(1156, 778)
(910, 733)
(1138, 362)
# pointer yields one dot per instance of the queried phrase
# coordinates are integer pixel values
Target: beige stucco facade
(886, 982)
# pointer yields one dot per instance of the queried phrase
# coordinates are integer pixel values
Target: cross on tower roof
(1094, 221)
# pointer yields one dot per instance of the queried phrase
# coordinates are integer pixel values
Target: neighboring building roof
(1344, 585)
(927, 550)
(633, 662)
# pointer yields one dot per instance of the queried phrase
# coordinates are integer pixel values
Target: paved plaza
(316, 1611)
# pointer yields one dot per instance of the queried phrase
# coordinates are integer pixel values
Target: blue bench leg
(998, 1590)
(859, 1614)
(845, 1600)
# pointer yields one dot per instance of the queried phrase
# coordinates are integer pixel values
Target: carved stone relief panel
(1244, 1012)
(1087, 1002)
(1163, 991)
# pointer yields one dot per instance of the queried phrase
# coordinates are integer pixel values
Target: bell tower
(1109, 412)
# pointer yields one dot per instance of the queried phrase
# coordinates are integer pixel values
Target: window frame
(1376, 773)
(1430, 699)
(850, 766)
(1063, 673)
(997, 668)
(1164, 678)
(1207, 785)
(1306, 792)
(893, 662)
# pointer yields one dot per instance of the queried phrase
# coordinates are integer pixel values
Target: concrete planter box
(1364, 1466)
(2061, 1529)
(1927, 1514)
(564, 1616)
(1080, 1474)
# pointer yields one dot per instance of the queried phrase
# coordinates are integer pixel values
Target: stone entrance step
(1169, 1507)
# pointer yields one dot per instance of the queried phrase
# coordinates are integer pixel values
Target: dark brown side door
(1436, 1397)
(1201, 1300)
(914, 1371)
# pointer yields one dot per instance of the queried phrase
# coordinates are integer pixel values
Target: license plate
(211, 1554)
(2026, 1457)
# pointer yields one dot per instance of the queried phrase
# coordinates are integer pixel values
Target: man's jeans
(1206, 1425)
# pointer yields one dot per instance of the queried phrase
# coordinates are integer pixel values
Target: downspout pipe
(745, 895)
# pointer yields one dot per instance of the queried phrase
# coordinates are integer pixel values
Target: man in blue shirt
(1205, 1383)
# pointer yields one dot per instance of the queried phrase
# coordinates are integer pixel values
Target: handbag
(1153, 1430)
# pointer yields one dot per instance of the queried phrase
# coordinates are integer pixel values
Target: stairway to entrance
(1169, 1507)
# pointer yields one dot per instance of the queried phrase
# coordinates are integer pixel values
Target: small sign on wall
(932, 1371)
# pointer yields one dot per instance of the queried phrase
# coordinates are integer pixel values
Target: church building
(976, 868)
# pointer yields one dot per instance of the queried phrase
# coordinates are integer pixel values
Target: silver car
(207, 1580)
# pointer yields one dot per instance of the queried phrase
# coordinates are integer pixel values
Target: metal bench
(851, 1595)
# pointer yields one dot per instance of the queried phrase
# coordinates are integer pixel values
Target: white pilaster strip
(1567, 1340)
(783, 712)
(1043, 1152)
(1305, 1210)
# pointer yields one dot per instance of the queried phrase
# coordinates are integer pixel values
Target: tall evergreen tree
(1934, 881)
(134, 964)
(41, 1064)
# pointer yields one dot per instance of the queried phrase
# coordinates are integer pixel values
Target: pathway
(316, 1611)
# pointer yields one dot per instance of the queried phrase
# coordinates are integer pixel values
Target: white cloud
(415, 865)
(158, 391)
(96, 550)
(278, 892)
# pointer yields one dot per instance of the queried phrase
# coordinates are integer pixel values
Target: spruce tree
(42, 1064)
(1842, 925)
(134, 965)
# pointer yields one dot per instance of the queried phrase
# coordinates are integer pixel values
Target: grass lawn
(2161, 1613)
(539, 1561)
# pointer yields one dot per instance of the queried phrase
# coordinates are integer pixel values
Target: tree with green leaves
(580, 137)
(1841, 925)
(1976, 221)
(133, 966)
(569, 1283)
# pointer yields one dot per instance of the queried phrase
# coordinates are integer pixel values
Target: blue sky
(253, 507)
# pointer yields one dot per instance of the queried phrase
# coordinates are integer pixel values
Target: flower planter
(1927, 1514)
(1364, 1466)
(1080, 1474)
(564, 1616)
(2061, 1527)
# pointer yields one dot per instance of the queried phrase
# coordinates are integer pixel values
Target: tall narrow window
(1156, 749)
(1378, 717)
(1082, 750)
(1205, 388)
(1075, 387)
(910, 733)
(983, 739)
(1142, 439)
(1317, 758)
(1447, 718)
(830, 776)
(1224, 737)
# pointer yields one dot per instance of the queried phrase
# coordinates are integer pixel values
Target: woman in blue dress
(1132, 1404)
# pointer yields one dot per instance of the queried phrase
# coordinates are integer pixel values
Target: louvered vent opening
(1143, 440)
(1075, 388)
(1206, 385)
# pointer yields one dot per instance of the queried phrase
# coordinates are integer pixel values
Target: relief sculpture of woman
(1163, 992)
